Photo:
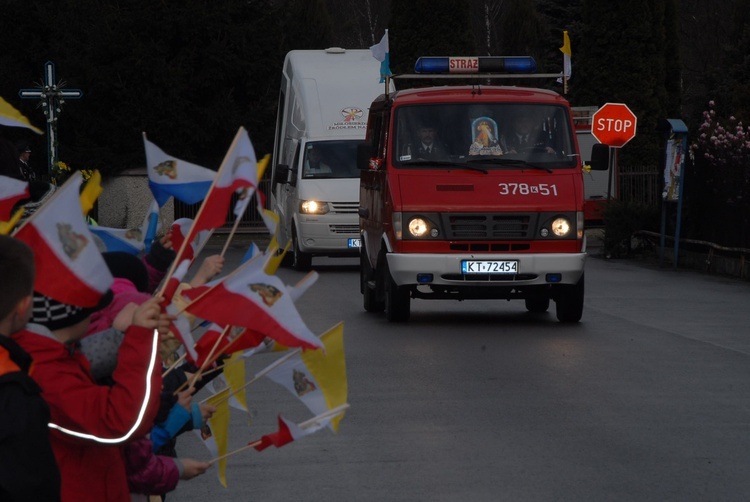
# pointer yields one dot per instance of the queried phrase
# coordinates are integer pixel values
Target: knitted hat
(56, 315)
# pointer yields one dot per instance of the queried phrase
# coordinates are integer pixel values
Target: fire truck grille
(487, 226)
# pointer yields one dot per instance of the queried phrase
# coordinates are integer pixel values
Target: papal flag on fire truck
(250, 298)
(567, 54)
(69, 266)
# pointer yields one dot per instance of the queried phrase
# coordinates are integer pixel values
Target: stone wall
(126, 199)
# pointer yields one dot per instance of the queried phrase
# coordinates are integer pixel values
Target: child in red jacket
(91, 423)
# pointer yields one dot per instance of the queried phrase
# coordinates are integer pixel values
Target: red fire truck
(473, 192)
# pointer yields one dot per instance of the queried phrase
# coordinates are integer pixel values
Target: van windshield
(484, 135)
(331, 159)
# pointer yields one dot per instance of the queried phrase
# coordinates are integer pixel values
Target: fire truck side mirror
(364, 153)
(599, 157)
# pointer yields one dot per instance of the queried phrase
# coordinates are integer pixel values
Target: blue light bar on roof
(481, 64)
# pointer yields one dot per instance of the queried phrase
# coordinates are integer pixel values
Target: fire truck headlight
(418, 227)
(313, 207)
(561, 227)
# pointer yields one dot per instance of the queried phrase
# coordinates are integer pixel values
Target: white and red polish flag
(237, 339)
(11, 191)
(238, 172)
(180, 230)
(180, 327)
(250, 298)
(288, 432)
(174, 282)
(69, 266)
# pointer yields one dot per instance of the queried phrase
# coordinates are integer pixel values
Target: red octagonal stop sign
(613, 124)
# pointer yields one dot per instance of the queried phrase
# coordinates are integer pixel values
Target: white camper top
(331, 92)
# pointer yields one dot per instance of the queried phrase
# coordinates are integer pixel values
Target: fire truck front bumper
(485, 270)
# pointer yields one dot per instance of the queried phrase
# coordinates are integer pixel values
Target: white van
(322, 117)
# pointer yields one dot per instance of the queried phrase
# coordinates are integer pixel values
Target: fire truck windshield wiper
(508, 162)
(445, 163)
(439, 163)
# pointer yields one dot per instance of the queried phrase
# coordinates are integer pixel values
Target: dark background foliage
(190, 73)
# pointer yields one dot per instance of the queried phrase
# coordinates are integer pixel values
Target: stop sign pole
(613, 124)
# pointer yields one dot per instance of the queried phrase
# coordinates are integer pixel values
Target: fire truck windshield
(444, 135)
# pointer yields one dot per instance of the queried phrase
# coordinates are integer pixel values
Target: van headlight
(561, 227)
(313, 207)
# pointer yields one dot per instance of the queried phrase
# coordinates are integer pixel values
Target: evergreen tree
(307, 25)
(672, 61)
(733, 89)
(622, 59)
(428, 28)
(186, 74)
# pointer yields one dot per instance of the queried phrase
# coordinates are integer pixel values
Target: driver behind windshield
(525, 137)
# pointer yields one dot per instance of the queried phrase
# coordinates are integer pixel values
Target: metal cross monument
(52, 96)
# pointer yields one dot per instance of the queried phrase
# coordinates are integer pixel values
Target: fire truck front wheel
(368, 285)
(397, 300)
(569, 301)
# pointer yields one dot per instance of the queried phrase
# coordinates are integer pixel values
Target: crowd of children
(86, 414)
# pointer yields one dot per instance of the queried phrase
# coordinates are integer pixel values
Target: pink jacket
(148, 473)
(124, 293)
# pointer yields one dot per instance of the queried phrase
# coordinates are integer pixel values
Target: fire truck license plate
(489, 266)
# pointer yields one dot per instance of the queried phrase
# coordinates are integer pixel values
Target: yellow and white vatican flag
(316, 377)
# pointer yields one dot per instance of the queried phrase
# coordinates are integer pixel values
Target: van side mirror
(281, 174)
(364, 153)
(599, 157)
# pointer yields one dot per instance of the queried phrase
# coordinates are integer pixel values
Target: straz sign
(613, 124)
(463, 65)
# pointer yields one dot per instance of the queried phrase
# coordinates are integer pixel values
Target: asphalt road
(648, 398)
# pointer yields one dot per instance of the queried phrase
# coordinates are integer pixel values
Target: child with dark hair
(28, 470)
(91, 423)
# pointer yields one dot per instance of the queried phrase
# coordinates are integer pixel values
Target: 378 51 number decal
(526, 189)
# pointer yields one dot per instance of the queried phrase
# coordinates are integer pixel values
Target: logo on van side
(351, 114)
(352, 119)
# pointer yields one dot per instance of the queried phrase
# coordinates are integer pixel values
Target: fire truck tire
(397, 300)
(300, 260)
(537, 304)
(570, 302)
(369, 293)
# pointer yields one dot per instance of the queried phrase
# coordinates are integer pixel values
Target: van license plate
(489, 266)
(354, 243)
